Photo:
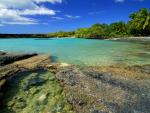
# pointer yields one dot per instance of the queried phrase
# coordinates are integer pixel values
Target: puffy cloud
(16, 11)
(24, 3)
(8, 16)
(37, 11)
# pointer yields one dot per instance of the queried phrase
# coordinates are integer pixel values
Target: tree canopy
(138, 25)
(140, 22)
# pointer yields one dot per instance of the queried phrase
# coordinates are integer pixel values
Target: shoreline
(135, 39)
(85, 87)
(125, 37)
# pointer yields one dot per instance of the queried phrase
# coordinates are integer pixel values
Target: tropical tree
(97, 31)
(118, 29)
(140, 22)
(82, 33)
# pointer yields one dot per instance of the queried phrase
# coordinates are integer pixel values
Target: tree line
(138, 25)
(23, 36)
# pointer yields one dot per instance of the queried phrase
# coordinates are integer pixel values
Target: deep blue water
(82, 51)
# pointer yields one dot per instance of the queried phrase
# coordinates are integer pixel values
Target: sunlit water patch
(34, 92)
(83, 51)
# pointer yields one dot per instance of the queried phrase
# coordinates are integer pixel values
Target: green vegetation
(138, 25)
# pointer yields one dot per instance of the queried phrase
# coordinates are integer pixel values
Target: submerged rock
(43, 94)
(64, 65)
(20, 105)
(97, 111)
(34, 82)
(42, 99)
(2, 53)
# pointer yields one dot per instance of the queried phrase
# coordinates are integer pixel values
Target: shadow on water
(54, 58)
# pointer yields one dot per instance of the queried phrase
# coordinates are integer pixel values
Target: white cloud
(121, 1)
(51, 1)
(16, 11)
(65, 17)
(37, 11)
(57, 18)
(8, 16)
(72, 17)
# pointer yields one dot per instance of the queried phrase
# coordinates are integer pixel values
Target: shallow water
(34, 92)
(83, 51)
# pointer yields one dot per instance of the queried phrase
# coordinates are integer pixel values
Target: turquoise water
(82, 51)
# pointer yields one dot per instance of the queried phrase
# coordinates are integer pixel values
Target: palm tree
(141, 21)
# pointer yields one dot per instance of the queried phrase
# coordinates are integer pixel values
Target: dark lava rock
(34, 82)
(69, 76)
(97, 75)
(97, 111)
(7, 59)
(2, 53)
(143, 68)
(1, 95)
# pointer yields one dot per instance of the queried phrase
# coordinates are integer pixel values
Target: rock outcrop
(23, 63)
(105, 89)
(109, 89)
(2, 53)
(6, 58)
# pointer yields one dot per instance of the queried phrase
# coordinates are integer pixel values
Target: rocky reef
(7, 58)
(26, 62)
(111, 89)
(37, 85)
(27, 86)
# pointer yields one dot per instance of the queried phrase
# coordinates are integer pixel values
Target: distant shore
(43, 36)
(131, 39)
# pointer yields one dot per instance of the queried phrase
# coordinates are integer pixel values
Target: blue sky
(43, 16)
